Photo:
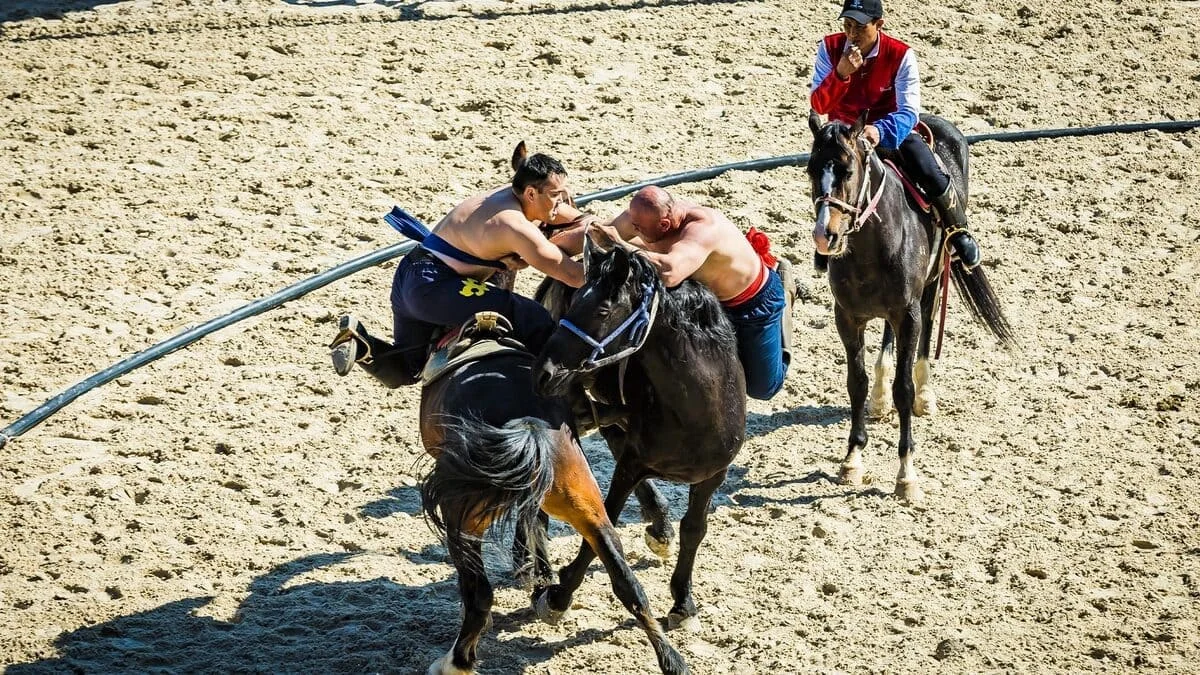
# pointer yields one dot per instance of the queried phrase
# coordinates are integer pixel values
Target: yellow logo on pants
(472, 287)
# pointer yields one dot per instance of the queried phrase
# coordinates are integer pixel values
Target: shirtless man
(688, 241)
(442, 282)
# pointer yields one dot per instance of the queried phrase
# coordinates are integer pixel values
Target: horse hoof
(675, 620)
(909, 491)
(877, 409)
(925, 406)
(850, 475)
(660, 547)
(445, 666)
(545, 612)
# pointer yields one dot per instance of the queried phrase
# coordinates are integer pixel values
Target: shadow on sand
(375, 625)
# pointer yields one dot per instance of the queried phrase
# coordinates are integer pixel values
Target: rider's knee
(766, 388)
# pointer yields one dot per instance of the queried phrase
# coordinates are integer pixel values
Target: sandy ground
(236, 506)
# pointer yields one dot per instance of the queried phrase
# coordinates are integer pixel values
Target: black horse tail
(974, 289)
(498, 474)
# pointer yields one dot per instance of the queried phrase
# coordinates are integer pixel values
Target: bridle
(637, 324)
(864, 207)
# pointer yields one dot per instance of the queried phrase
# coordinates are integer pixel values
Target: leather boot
(954, 222)
(350, 346)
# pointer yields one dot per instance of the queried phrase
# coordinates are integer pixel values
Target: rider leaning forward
(443, 281)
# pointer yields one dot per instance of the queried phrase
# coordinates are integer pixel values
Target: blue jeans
(758, 323)
(427, 294)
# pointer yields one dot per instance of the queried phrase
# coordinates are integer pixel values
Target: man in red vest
(864, 70)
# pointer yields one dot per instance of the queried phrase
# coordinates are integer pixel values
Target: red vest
(872, 87)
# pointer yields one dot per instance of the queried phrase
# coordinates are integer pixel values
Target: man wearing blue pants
(688, 241)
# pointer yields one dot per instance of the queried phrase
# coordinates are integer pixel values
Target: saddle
(484, 335)
(917, 194)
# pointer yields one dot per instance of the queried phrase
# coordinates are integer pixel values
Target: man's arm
(679, 263)
(568, 227)
(623, 224)
(896, 127)
(827, 87)
(676, 265)
(528, 242)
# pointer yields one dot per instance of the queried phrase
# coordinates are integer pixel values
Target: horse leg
(575, 498)
(885, 370)
(851, 332)
(553, 603)
(476, 594)
(659, 533)
(692, 529)
(531, 566)
(907, 334)
(925, 402)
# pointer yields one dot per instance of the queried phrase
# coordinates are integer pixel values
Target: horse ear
(600, 238)
(621, 264)
(592, 253)
(814, 122)
(859, 125)
(519, 155)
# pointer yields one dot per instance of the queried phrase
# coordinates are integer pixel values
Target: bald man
(688, 241)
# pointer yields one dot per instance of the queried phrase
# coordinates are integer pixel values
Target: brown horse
(885, 263)
(502, 455)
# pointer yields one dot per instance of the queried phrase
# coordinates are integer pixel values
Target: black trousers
(917, 159)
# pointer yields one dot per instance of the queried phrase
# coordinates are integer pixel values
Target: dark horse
(505, 454)
(886, 262)
(675, 355)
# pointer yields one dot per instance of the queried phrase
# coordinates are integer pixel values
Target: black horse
(886, 258)
(504, 454)
(600, 390)
(678, 372)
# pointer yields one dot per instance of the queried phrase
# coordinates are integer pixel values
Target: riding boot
(788, 277)
(351, 345)
(954, 222)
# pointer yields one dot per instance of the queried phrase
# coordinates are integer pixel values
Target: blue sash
(414, 229)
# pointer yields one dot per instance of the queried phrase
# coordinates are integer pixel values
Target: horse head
(837, 168)
(608, 319)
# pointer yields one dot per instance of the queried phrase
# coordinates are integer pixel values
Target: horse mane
(689, 309)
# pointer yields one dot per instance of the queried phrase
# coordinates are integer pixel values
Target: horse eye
(604, 309)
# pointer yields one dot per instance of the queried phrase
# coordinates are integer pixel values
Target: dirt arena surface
(237, 507)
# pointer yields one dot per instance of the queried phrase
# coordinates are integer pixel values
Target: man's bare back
(689, 241)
